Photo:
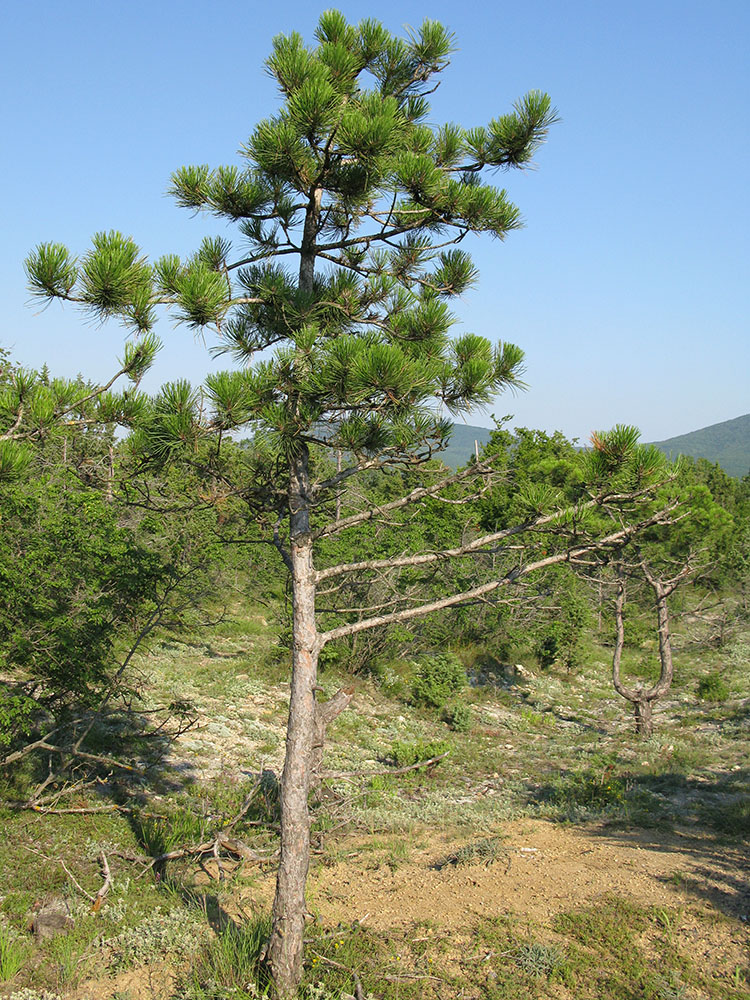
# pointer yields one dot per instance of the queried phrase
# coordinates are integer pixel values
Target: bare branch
(614, 539)
(430, 762)
(468, 548)
(420, 493)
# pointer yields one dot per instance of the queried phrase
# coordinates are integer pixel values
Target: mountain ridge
(726, 443)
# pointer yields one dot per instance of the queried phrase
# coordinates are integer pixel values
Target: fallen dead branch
(213, 848)
(104, 888)
(95, 900)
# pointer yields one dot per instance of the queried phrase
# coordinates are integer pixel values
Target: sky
(628, 288)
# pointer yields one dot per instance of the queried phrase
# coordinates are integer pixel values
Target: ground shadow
(710, 822)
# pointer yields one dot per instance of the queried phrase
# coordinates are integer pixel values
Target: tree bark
(285, 948)
(644, 725)
(643, 700)
(324, 716)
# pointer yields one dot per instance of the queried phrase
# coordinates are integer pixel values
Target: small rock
(50, 919)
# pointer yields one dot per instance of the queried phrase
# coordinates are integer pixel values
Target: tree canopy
(348, 351)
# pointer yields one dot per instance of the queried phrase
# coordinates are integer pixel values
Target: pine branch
(420, 493)
(615, 539)
(470, 548)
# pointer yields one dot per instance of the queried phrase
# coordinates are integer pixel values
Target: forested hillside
(727, 444)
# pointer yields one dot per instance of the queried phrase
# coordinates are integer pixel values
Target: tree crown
(349, 179)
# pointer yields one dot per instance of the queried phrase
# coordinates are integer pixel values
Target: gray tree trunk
(285, 948)
(286, 945)
(644, 724)
(643, 700)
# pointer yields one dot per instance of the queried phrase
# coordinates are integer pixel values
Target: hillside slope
(727, 443)
(462, 446)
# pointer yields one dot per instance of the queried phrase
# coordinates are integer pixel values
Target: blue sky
(628, 289)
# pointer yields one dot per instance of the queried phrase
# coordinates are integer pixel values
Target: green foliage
(561, 639)
(84, 583)
(437, 678)
(610, 926)
(352, 128)
(712, 687)
(14, 952)
(53, 413)
(542, 471)
(404, 753)
(230, 964)
(160, 834)
(174, 933)
(731, 818)
(539, 959)
(595, 786)
(16, 715)
(458, 717)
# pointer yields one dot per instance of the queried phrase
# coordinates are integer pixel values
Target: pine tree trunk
(644, 724)
(285, 948)
(643, 700)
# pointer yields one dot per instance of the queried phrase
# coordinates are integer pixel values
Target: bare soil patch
(543, 869)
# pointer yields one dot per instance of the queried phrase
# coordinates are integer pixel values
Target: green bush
(595, 786)
(458, 717)
(712, 688)
(437, 679)
(405, 754)
(16, 715)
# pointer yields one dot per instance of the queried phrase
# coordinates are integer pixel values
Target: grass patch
(483, 851)
(14, 952)
(230, 964)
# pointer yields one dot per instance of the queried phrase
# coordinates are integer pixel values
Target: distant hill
(461, 446)
(727, 443)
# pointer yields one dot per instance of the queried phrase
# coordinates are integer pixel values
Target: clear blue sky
(629, 287)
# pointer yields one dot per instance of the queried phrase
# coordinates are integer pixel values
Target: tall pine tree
(352, 213)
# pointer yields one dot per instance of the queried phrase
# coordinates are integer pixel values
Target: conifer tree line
(352, 216)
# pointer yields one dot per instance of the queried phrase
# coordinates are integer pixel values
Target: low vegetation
(544, 747)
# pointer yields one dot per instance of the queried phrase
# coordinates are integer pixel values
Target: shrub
(176, 932)
(437, 679)
(594, 786)
(458, 717)
(16, 715)
(405, 754)
(712, 688)
(539, 959)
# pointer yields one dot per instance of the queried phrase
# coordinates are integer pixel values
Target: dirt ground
(540, 869)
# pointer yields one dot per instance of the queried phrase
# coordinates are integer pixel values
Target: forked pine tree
(352, 213)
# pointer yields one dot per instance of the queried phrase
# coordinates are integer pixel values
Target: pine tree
(352, 212)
